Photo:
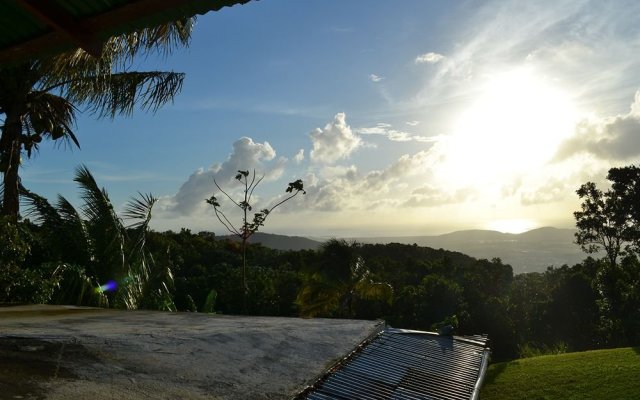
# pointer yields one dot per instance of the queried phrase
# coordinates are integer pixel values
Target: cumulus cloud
(412, 123)
(334, 142)
(347, 188)
(299, 157)
(429, 58)
(246, 155)
(614, 138)
(375, 78)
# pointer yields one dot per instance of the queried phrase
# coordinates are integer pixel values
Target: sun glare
(511, 225)
(514, 125)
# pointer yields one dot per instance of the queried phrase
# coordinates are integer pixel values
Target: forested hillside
(407, 285)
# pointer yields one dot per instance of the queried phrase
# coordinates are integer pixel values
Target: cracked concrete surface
(59, 352)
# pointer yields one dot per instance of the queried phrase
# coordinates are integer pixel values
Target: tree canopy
(609, 220)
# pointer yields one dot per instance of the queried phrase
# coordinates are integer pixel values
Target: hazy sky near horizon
(402, 118)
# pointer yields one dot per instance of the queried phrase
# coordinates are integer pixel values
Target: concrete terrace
(58, 352)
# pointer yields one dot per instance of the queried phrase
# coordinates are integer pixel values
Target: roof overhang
(37, 28)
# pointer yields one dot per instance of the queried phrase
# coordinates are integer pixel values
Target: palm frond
(38, 209)
(76, 287)
(319, 296)
(368, 290)
(75, 230)
(97, 205)
(106, 228)
(162, 39)
(49, 116)
(119, 51)
(120, 93)
(139, 209)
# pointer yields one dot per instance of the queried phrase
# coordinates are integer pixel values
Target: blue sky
(402, 118)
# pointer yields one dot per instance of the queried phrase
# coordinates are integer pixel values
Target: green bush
(18, 283)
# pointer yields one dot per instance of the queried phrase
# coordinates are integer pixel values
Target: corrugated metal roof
(31, 28)
(401, 364)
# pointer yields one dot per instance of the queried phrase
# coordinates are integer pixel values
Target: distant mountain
(280, 242)
(531, 251)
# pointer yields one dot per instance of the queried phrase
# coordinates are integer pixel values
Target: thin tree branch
(226, 224)
(284, 200)
(225, 193)
(253, 187)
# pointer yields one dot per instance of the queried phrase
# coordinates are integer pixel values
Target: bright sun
(514, 126)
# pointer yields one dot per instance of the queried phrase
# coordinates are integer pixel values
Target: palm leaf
(149, 282)
(140, 209)
(97, 205)
(103, 83)
(76, 232)
(368, 290)
(119, 93)
(39, 210)
(76, 287)
(319, 296)
(47, 113)
(105, 227)
(119, 51)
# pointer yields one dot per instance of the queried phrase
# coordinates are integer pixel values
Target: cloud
(340, 188)
(552, 191)
(395, 135)
(614, 138)
(412, 123)
(334, 142)
(375, 78)
(246, 155)
(299, 157)
(571, 42)
(429, 58)
(430, 196)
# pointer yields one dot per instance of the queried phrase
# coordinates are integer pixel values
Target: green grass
(599, 374)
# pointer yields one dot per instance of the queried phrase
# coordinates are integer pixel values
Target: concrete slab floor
(59, 352)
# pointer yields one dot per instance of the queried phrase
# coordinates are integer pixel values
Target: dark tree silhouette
(608, 220)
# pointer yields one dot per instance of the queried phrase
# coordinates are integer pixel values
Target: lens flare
(107, 287)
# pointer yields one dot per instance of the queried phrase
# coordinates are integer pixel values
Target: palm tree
(93, 246)
(341, 278)
(40, 98)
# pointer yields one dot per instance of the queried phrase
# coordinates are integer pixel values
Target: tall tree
(39, 98)
(249, 226)
(609, 220)
(601, 226)
(625, 184)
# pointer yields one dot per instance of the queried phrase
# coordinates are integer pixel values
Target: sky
(402, 118)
